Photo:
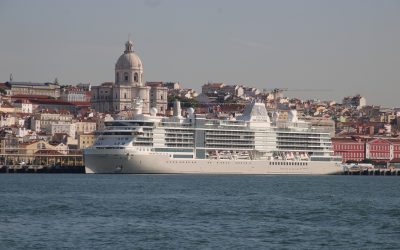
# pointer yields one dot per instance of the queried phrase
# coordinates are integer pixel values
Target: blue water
(72, 211)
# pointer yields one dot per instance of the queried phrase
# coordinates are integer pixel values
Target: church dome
(128, 60)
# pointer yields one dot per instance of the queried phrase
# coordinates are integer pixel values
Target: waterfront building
(359, 149)
(8, 144)
(350, 149)
(34, 146)
(382, 150)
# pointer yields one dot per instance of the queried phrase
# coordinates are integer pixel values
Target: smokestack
(137, 106)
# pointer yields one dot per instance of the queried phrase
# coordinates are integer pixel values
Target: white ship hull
(121, 161)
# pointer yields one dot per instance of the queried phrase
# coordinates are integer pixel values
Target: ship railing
(310, 130)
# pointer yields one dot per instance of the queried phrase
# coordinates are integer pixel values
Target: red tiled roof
(30, 97)
(81, 103)
(52, 101)
(23, 101)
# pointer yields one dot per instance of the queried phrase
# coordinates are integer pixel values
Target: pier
(372, 171)
(42, 169)
(41, 161)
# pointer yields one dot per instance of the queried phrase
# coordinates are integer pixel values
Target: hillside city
(40, 120)
(54, 117)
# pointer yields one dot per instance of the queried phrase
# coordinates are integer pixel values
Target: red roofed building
(351, 149)
(375, 149)
(383, 150)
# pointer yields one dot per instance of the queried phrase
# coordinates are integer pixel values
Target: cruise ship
(252, 143)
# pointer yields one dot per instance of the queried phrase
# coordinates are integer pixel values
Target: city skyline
(336, 48)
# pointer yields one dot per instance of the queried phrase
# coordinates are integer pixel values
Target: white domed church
(129, 85)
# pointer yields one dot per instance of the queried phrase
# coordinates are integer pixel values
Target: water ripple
(198, 212)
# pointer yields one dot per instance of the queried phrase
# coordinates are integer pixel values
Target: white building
(24, 106)
(63, 128)
(42, 121)
(76, 94)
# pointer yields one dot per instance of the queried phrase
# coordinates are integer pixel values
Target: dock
(42, 169)
(49, 161)
(372, 171)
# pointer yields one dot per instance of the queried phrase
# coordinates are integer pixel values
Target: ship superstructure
(252, 143)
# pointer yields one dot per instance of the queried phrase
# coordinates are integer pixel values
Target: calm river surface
(77, 211)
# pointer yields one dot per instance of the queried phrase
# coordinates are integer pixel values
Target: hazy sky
(335, 47)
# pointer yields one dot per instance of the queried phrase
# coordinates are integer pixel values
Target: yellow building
(86, 140)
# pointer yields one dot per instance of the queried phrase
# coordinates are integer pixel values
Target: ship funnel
(177, 108)
(137, 106)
